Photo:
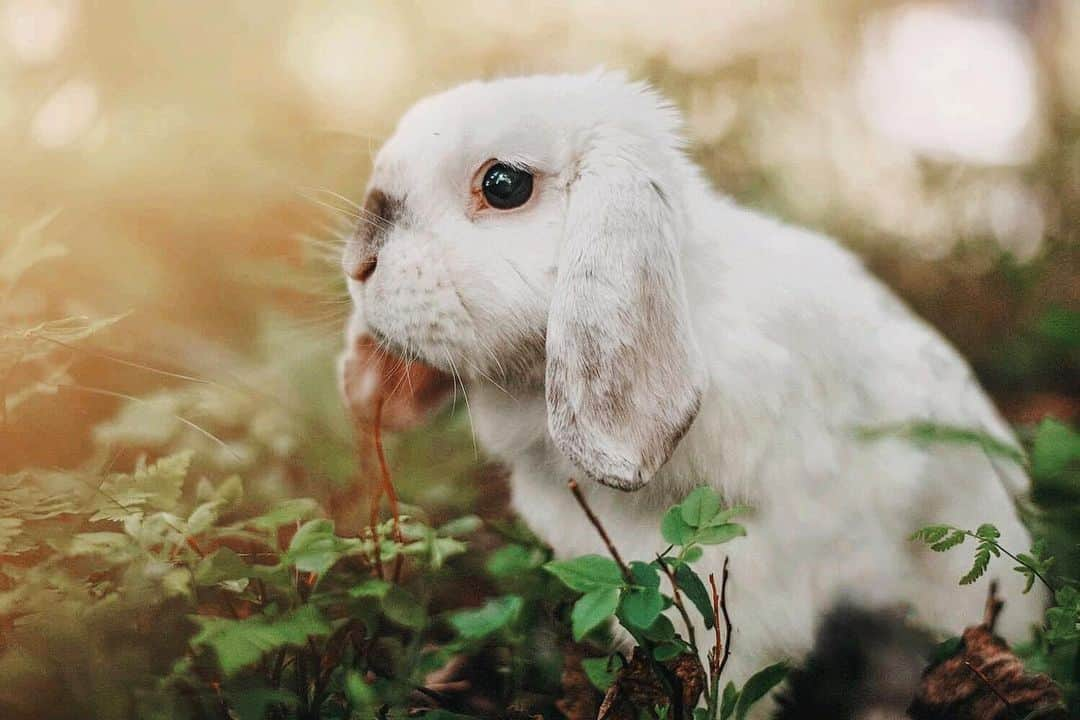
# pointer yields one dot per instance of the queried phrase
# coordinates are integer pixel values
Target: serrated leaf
(592, 609)
(587, 573)
(496, 614)
(315, 548)
(957, 537)
(758, 686)
(931, 533)
(239, 643)
(373, 588)
(223, 564)
(979, 566)
(289, 511)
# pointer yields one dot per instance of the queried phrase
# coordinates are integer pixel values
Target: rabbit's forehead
(452, 134)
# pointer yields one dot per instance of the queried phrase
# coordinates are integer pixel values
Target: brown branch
(721, 650)
(993, 606)
(572, 484)
(676, 596)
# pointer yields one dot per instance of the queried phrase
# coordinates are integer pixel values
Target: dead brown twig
(721, 651)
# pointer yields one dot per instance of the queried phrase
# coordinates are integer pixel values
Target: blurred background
(175, 176)
(180, 152)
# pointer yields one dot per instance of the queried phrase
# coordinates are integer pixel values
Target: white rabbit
(611, 318)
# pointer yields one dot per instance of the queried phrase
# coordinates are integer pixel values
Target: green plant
(631, 594)
(1051, 512)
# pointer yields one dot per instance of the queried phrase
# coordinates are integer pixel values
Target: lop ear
(410, 392)
(624, 374)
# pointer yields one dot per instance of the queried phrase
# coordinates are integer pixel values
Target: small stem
(572, 484)
(676, 596)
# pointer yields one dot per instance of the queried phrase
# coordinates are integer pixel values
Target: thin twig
(720, 608)
(676, 596)
(385, 485)
(572, 484)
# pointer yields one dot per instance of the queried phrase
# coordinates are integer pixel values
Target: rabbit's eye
(506, 187)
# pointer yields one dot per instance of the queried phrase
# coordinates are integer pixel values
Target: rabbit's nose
(363, 269)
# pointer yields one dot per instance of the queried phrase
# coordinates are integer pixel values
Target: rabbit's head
(526, 232)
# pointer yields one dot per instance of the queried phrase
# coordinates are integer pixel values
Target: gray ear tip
(627, 482)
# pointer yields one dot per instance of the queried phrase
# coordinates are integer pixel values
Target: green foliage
(633, 596)
(1055, 456)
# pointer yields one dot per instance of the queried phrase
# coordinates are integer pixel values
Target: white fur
(798, 344)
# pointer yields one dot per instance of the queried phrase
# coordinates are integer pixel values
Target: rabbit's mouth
(374, 376)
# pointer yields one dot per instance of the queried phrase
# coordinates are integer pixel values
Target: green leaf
(957, 537)
(223, 564)
(700, 507)
(641, 606)
(728, 701)
(496, 614)
(465, 525)
(361, 696)
(668, 651)
(1057, 446)
(931, 533)
(674, 529)
(979, 565)
(286, 512)
(587, 573)
(251, 703)
(1062, 326)
(692, 586)
(987, 531)
(693, 554)
(758, 686)
(239, 643)
(315, 547)
(924, 432)
(645, 574)
(373, 588)
(400, 607)
(593, 609)
(602, 671)
(719, 534)
(660, 631)
(513, 560)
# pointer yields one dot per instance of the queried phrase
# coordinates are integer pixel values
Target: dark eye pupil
(506, 187)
